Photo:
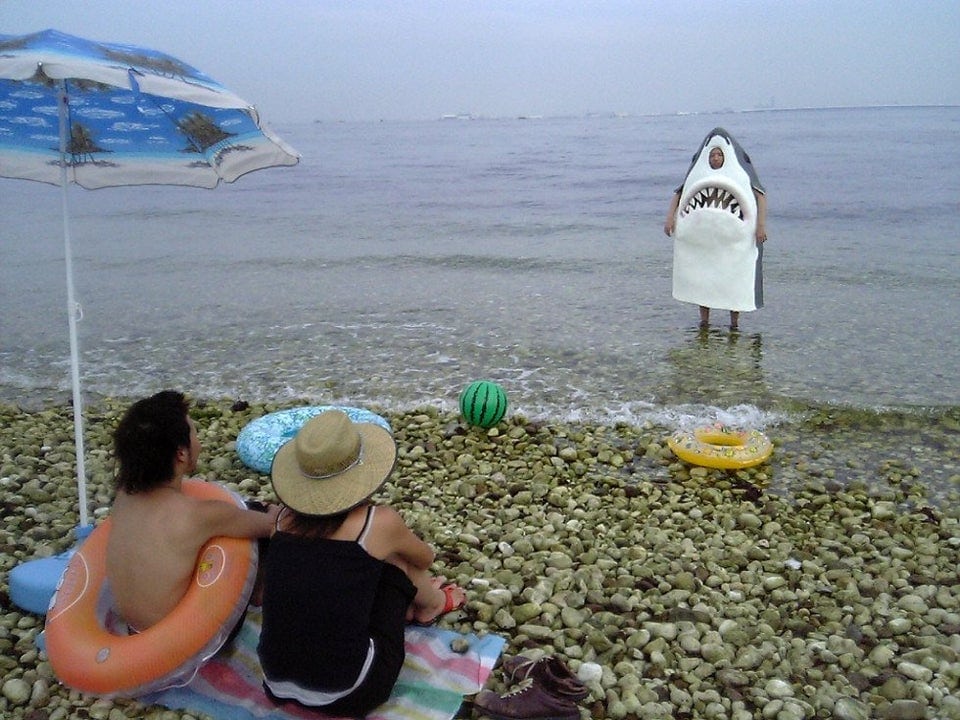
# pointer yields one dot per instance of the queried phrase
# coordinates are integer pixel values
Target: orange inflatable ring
(718, 446)
(87, 656)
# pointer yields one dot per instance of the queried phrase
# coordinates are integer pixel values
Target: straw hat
(332, 465)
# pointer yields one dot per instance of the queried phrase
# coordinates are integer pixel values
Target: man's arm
(216, 517)
(671, 221)
(761, 216)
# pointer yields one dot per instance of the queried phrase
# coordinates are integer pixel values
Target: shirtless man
(157, 531)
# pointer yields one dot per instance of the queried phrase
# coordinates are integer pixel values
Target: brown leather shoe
(551, 672)
(527, 701)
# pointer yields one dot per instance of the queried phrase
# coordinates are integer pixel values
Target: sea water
(401, 260)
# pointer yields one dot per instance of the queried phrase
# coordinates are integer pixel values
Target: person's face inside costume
(716, 158)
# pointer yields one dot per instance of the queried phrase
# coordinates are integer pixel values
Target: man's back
(153, 548)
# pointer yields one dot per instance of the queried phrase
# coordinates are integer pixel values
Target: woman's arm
(390, 536)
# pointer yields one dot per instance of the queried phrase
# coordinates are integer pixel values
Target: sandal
(450, 603)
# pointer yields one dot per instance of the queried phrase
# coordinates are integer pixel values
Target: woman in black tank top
(343, 576)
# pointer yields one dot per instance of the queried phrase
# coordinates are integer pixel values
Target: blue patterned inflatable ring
(260, 439)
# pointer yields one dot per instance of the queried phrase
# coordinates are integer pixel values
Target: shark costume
(716, 257)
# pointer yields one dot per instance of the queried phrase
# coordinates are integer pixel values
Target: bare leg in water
(705, 318)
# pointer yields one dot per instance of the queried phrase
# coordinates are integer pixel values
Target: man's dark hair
(147, 439)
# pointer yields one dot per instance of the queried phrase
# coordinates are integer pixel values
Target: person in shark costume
(717, 219)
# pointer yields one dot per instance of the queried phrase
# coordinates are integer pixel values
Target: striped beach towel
(431, 686)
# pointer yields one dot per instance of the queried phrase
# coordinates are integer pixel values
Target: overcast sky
(396, 59)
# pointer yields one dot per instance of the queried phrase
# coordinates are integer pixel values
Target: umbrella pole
(72, 310)
(33, 583)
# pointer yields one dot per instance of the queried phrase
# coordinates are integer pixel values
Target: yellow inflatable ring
(718, 446)
(87, 656)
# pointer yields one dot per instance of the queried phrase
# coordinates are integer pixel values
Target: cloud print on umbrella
(135, 116)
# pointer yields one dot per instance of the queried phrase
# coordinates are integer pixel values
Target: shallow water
(400, 261)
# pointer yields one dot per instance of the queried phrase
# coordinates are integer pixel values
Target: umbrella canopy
(104, 114)
(134, 116)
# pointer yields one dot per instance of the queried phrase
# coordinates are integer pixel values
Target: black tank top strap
(361, 538)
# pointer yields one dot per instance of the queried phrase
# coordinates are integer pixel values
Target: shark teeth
(714, 197)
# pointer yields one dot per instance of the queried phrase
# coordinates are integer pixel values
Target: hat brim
(341, 492)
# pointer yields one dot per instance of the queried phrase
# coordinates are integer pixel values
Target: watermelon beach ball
(483, 403)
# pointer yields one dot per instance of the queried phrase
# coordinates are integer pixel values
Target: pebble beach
(824, 583)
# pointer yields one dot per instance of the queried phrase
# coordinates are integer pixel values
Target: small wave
(744, 417)
(671, 417)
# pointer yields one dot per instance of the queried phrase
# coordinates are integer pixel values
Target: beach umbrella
(97, 114)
